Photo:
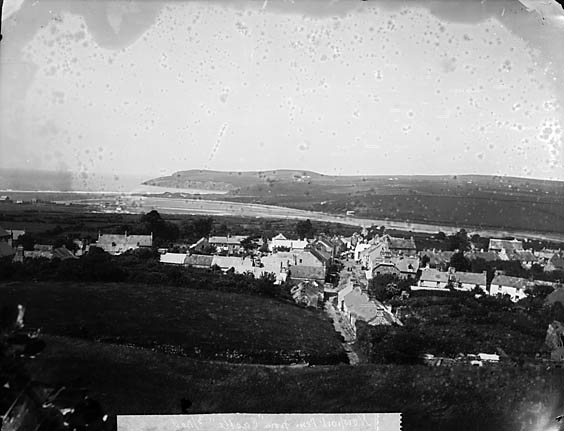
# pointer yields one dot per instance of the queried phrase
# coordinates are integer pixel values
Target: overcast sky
(339, 87)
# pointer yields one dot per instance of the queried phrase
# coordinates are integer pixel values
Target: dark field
(198, 323)
(138, 381)
(79, 220)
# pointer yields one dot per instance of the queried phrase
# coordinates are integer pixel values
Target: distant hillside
(467, 200)
(231, 181)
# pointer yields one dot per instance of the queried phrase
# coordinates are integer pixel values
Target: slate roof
(471, 278)
(199, 260)
(302, 272)
(506, 280)
(388, 264)
(227, 262)
(322, 255)
(523, 256)
(407, 264)
(434, 275)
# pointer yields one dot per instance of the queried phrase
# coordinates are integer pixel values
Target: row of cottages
(505, 249)
(41, 251)
(501, 285)
(433, 279)
(240, 265)
(118, 244)
(307, 265)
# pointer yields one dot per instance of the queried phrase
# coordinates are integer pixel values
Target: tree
(203, 226)
(222, 229)
(248, 244)
(384, 287)
(459, 262)
(267, 286)
(425, 260)
(161, 229)
(539, 291)
(27, 241)
(304, 229)
(459, 241)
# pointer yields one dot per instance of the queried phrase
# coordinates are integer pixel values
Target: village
(340, 274)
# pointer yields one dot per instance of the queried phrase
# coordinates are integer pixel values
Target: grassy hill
(193, 322)
(470, 200)
(139, 381)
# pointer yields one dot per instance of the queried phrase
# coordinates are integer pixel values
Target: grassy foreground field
(139, 381)
(192, 322)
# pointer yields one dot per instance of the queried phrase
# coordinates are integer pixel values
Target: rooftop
(432, 274)
(506, 280)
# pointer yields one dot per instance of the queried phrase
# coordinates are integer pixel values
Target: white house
(118, 244)
(513, 286)
(280, 241)
(360, 247)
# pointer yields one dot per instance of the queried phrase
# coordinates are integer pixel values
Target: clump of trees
(192, 231)
(385, 287)
(304, 229)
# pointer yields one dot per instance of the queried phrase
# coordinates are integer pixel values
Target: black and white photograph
(298, 215)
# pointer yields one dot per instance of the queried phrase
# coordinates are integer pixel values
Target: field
(192, 322)
(81, 220)
(138, 381)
